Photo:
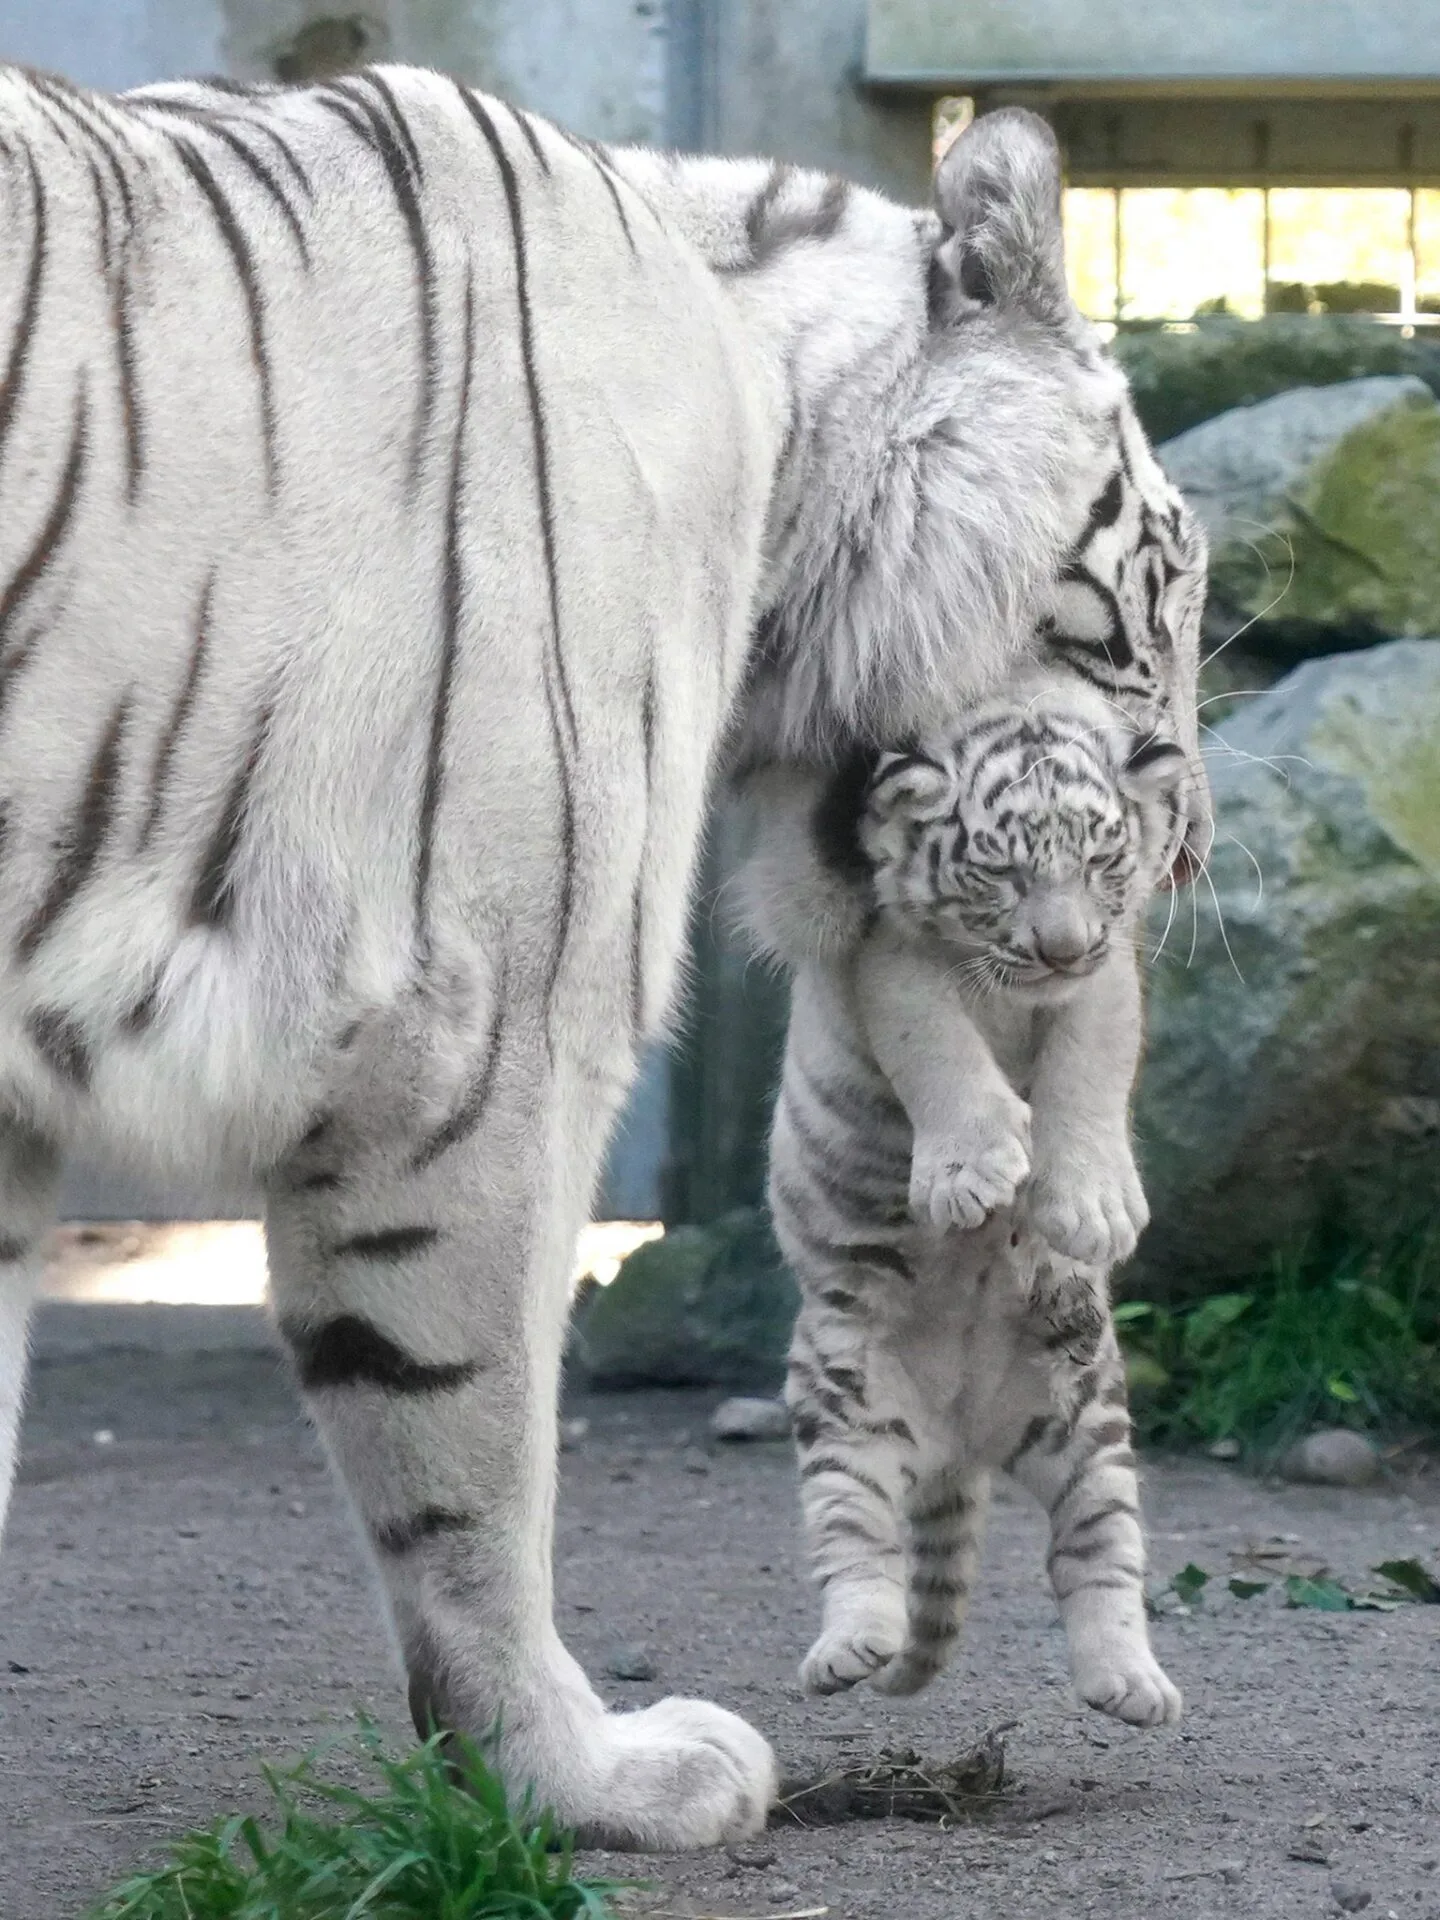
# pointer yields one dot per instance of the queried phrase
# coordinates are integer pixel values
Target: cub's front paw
(1090, 1207)
(959, 1179)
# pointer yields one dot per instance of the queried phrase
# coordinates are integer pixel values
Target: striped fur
(951, 1180)
(403, 507)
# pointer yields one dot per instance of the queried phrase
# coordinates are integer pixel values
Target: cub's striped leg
(1081, 1468)
(855, 1451)
(28, 1173)
(421, 1277)
(946, 1515)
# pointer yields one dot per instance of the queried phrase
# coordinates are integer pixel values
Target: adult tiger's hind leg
(420, 1263)
(29, 1171)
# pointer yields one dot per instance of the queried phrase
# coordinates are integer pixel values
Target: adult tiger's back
(390, 486)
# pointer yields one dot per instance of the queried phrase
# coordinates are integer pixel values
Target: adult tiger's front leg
(420, 1272)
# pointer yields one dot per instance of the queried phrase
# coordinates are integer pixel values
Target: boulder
(744, 1418)
(1334, 1457)
(704, 1306)
(1323, 510)
(1183, 375)
(1293, 1068)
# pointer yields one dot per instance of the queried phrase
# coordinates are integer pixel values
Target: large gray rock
(1293, 1075)
(705, 1306)
(1323, 509)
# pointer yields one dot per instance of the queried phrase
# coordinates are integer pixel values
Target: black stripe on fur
(452, 588)
(388, 1243)
(179, 714)
(557, 685)
(84, 838)
(465, 1118)
(61, 1044)
(20, 340)
(351, 1352)
(213, 900)
(237, 245)
(51, 536)
(398, 1537)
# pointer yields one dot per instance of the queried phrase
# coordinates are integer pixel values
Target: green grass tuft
(430, 1844)
(1323, 1338)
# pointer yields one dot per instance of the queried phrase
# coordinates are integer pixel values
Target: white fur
(951, 1179)
(748, 418)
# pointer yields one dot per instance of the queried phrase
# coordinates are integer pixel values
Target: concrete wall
(783, 77)
(597, 65)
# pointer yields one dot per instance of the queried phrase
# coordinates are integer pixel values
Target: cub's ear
(1153, 766)
(909, 784)
(997, 190)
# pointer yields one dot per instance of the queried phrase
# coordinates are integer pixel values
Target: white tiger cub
(951, 1178)
(399, 500)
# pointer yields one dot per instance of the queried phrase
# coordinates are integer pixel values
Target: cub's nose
(1062, 939)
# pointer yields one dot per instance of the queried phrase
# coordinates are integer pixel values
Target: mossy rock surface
(1323, 511)
(704, 1306)
(1292, 1084)
(1180, 377)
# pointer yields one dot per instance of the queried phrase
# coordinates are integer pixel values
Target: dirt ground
(185, 1598)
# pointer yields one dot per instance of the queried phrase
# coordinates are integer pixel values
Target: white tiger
(400, 498)
(951, 1180)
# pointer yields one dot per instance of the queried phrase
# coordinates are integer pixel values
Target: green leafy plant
(1189, 1583)
(1342, 1337)
(1412, 1579)
(437, 1841)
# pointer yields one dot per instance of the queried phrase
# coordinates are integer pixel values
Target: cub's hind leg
(945, 1516)
(1079, 1465)
(856, 1451)
(29, 1170)
(420, 1258)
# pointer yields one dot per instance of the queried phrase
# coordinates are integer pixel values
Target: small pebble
(1348, 1897)
(695, 1461)
(750, 1419)
(1232, 1872)
(103, 1437)
(755, 1858)
(572, 1432)
(1311, 1848)
(1334, 1457)
(1224, 1450)
(630, 1663)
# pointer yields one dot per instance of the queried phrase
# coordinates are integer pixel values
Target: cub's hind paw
(842, 1657)
(1130, 1687)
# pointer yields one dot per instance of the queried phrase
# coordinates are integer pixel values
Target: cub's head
(1029, 838)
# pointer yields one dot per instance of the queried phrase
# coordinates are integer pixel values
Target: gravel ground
(186, 1599)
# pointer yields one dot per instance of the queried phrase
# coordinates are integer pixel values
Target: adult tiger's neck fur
(945, 414)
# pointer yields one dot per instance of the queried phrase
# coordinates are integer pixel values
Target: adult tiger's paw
(682, 1773)
(959, 1178)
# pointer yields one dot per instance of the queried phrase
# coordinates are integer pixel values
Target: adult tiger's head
(963, 480)
(1029, 836)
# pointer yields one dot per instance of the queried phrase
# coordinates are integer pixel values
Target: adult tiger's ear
(997, 191)
(1155, 767)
